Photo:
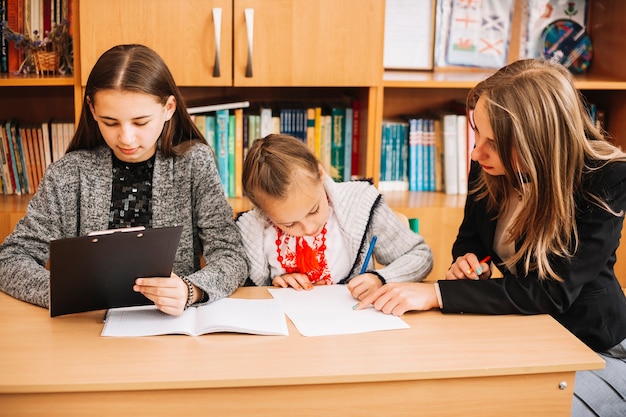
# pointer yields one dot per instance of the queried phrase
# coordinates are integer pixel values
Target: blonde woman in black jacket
(547, 204)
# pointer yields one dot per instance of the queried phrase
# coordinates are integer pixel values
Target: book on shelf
(209, 134)
(232, 315)
(216, 107)
(450, 150)
(35, 145)
(5, 173)
(462, 153)
(317, 148)
(15, 20)
(310, 128)
(347, 139)
(439, 154)
(14, 157)
(422, 155)
(245, 138)
(356, 134)
(61, 133)
(238, 153)
(231, 154)
(200, 121)
(325, 155)
(4, 42)
(394, 155)
(266, 121)
(24, 137)
(46, 137)
(221, 146)
(337, 143)
(254, 128)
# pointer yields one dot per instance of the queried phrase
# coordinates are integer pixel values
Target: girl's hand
(468, 267)
(399, 297)
(168, 294)
(297, 281)
(362, 285)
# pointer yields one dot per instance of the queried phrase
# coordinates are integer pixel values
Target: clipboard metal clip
(111, 231)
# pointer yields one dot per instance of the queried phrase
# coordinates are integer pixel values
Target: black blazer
(589, 302)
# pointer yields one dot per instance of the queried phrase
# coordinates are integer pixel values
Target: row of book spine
(330, 132)
(26, 150)
(426, 153)
(432, 152)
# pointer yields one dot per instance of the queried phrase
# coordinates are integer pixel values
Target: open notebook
(98, 271)
(236, 315)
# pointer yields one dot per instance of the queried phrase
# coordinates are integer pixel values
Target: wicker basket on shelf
(46, 62)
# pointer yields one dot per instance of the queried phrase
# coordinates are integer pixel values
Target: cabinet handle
(217, 27)
(249, 16)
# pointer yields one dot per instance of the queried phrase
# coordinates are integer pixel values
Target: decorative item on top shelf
(49, 55)
(567, 42)
(539, 14)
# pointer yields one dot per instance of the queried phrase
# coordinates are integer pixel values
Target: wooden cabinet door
(182, 32)
(309, 42)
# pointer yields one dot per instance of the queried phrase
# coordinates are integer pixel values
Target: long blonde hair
(540, 122)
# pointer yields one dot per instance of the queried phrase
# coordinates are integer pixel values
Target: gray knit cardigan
(361, 214)
(74, 198)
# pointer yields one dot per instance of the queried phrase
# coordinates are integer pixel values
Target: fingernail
(354, 307)
(479, 270)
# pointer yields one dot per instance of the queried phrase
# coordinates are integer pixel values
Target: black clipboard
(98, 271)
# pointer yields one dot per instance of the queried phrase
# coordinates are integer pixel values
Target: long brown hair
(139, 69)
(541, 124)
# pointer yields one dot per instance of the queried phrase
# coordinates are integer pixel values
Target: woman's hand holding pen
(469, 267)
(363, 285)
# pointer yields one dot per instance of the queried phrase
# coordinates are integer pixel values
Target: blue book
(231, 155)
(404, 157)
(414, 161)
(386, 156)
(431, 155)
(10, 131)
(209, 134)
(347, 141)
(20, 153)
(337, 162)
(221, 146)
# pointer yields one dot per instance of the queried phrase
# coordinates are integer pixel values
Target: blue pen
(368, 255)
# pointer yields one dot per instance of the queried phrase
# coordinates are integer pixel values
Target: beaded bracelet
(189, 292)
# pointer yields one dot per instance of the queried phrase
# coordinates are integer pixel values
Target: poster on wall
(479, 33)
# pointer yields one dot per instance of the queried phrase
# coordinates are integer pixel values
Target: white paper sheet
(408, 34)
(327, 310)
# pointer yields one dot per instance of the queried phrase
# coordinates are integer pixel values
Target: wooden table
(444, 365)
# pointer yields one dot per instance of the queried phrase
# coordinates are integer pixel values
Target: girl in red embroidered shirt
(307, 230)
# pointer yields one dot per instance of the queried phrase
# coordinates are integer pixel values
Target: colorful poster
(479, 33)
